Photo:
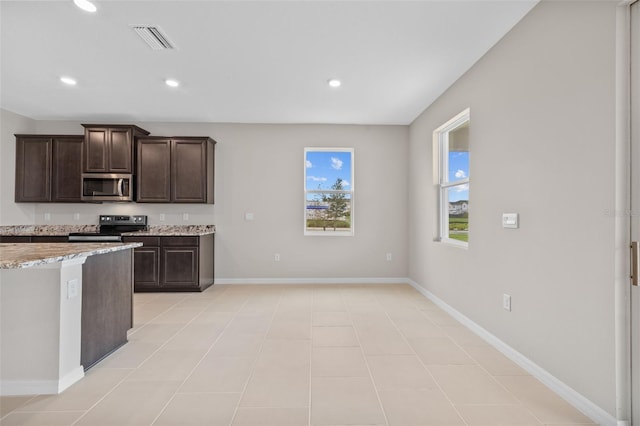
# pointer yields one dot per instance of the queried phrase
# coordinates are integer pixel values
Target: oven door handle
(120, 187)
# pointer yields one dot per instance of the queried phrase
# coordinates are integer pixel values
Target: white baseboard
(71, 378)
(588, 408)
(311, 281)
(40, 387)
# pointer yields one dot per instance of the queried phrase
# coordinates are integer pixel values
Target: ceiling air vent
(153, 36)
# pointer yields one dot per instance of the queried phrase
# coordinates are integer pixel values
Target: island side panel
(40, 329)
(107, 304)
(206, 261)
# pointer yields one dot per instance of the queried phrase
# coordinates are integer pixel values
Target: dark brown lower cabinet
(146, 270)
(173, 263)
(107, 305)
(49, 239)
(180, 267)
(34, 239)
(15, 239)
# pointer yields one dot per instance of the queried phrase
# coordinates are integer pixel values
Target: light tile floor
(295, 356)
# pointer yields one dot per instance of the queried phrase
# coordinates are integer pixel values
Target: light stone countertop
(62, 230)
(26, 255)
(174, 230)
(46, 230)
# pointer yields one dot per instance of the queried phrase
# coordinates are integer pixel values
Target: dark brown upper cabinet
(66, 169)
(108, 148)
(48, 168)
(153, 170)
(175, 170)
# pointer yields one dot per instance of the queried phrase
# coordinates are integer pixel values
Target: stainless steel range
(111, 229)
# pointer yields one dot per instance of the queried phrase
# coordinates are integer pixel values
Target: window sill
(454, 243)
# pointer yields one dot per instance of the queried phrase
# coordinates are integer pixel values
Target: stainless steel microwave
(107, 187)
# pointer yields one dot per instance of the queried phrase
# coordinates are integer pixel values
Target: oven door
(107, 187)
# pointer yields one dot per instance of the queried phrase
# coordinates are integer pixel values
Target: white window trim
(350, 191)
(440, 179)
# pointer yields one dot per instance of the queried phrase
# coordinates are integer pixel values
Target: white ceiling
(243, 61)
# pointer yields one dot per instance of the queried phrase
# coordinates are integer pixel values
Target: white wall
(541, 144)
(259, 169)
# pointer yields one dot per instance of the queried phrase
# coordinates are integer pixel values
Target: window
(451, 176)
(328, 191)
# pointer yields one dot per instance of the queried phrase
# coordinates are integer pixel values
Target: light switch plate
(248, 217)
(510, 220)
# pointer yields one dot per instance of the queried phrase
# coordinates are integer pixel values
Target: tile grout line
(423, 364)
(132, 370)
(162, 410)
(255, 361)
(366, 362)
(30, 397)
(379, 302)
(477, 364)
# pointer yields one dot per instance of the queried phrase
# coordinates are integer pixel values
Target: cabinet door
(96, 146)
(66, 177)
(120, 149)
(146, 270)
(189, 171)
(180, 267)
(153, 171)
(146, 261)
(33, 169)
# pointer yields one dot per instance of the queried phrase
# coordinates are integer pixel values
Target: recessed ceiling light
(334, 82)
(171, 82)
(68, 80)
(85, 5)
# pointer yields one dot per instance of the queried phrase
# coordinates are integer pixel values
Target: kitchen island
(52, 298)
(172, 258)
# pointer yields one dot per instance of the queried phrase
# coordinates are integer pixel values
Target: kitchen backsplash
(158, 214)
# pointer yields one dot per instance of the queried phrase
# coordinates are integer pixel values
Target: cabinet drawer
(146, 241)
(180, 241)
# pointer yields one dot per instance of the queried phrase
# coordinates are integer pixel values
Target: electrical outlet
(185, 216)
(47, 217)
(248, 217)
(506, 302)
(389, 257)
(72, 288)
(76, 216)
(276, 257)
(162, 217)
